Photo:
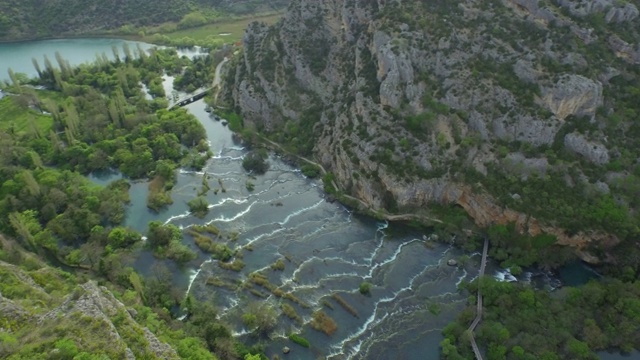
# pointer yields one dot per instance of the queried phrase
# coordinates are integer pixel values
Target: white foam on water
(344, 261)
(298, 212)
(269, 234)
(190, 172)
(317, 285)
(228, 200)
(391, 259)
(369, 260)
(175, 217)
(361, 330)
(464, 274)
(299, 268)
(240, 333)
(504, 275)
(221, 157)
(233, 218)
(371, 321)
(224, 174)
(194, 275)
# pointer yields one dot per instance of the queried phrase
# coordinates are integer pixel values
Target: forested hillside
(92, 118)
(37, 19)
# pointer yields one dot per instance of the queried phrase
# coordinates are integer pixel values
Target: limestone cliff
(44, 311)
(410, 103)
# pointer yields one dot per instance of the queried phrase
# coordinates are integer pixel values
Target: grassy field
(13, 116)
(229, 31)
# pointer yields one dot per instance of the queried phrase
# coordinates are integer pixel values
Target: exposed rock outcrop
(397, 99)
(573, 95)
(594, 152)
(97, 303)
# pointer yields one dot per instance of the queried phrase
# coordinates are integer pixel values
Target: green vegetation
(99, 119)
(365, 288)
(160, 186)
(324, 323)
(520, 323)
(166, 241)
(278, 265)
(255, 162)
(48, 315)
(212, 35)
(290, 312)
(141, 19)
(299, 340)
(310, 171)
(16, 117)
(199, 206)
(259, 317)
(345, 305)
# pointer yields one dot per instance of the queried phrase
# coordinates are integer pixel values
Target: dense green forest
(91, 118)
(521, 323)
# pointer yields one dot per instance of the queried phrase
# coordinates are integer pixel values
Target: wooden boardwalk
(478, 318)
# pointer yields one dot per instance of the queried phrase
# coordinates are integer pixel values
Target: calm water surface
(17, 56)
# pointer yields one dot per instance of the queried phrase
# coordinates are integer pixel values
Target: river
(17, 56)
(328, 251)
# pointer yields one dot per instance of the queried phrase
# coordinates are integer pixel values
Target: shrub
(299, 340)
(199, 206)
(255, 162)
(278, 265)
(290, 312)
(310, 171)
(323, 322)
(365, 288)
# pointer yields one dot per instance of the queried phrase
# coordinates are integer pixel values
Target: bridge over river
(200, 95)
(191, 99)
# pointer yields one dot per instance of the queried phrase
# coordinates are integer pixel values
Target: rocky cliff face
(418, 102)
(36, 312)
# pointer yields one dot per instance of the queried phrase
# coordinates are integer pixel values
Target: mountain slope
(518, 110)
(49, 313)
(36, 19)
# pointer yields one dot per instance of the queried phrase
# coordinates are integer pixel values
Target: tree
(121, 237)
(199, 206)
(255, 162)
(159, 234)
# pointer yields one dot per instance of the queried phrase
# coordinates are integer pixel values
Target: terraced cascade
(294, 249)
(307, 258)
